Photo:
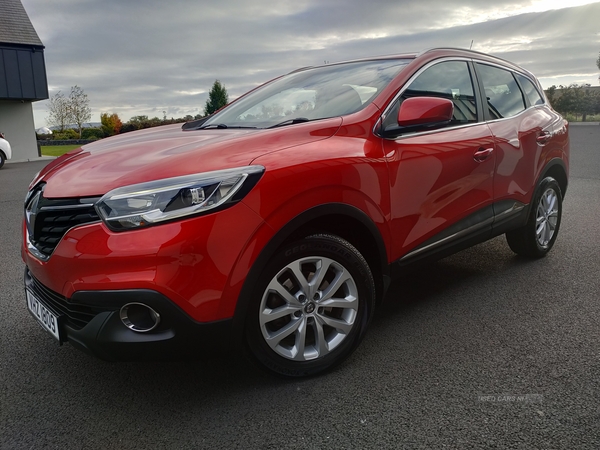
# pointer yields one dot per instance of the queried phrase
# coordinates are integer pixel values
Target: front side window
(449, 79)
(504, 97)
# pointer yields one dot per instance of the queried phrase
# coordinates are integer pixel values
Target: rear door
(522, 126)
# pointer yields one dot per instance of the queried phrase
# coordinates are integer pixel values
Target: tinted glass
(530, 90)
(504, 97)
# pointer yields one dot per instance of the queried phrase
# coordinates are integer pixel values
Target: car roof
(411, 55)
(430, 54)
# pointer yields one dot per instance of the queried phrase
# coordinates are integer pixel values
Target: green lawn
(57, 150)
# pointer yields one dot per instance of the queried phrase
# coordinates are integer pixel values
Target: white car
(5, 151)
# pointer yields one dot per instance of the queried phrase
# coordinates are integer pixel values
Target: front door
(441, 181)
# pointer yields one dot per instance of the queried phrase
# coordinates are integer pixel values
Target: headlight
(144, 204)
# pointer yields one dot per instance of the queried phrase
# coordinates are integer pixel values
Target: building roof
(15, 26)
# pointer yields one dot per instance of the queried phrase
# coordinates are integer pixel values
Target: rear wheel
(2, 159)
(537, 237)
(310, 307)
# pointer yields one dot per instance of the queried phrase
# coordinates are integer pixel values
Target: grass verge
(57, 150)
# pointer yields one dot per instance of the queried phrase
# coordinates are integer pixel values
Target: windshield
(318, 93)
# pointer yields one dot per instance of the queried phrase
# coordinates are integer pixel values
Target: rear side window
(531, 92)
(504, 97)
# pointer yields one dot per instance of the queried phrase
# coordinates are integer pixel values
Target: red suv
(274, 223)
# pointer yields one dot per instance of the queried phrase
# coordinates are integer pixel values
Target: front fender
(251, 262)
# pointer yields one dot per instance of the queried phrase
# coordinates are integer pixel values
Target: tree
(59, 111)
(574, 99)
(588, 101)
(217, 98)
(551, 94)
(111, 124)
(80, 107)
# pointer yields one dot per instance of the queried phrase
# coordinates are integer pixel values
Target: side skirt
(478, 227)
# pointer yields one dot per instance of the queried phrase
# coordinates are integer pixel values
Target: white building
(22, 79)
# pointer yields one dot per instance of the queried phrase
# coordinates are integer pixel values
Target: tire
(537, 237)
(2, 159)
(300, 326)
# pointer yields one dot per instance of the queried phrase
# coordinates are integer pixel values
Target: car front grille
(76, 315)
(48, 220)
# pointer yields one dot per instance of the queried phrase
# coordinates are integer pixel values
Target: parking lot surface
(480, 350)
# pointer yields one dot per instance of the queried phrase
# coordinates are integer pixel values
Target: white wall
(16, 122)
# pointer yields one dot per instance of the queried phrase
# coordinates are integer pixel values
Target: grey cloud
(147, 57)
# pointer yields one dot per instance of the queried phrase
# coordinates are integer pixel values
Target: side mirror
(420, 114)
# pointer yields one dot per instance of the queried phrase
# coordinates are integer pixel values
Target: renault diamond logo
(31, 210)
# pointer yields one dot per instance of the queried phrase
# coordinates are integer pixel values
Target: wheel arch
(345, 221)
(556, 169)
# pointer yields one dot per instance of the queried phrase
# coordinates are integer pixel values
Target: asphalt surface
(480, 350)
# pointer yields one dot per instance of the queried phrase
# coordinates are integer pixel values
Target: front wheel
(537, 237)
(310, 307)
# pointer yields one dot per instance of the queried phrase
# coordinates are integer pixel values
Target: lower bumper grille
(75, 315)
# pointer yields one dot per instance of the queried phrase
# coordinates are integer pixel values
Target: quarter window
(504, 97)
(530, 90)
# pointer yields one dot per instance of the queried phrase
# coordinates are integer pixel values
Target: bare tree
(79, 107)
(59, 111)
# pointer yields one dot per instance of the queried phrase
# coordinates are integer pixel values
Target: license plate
(45, 317)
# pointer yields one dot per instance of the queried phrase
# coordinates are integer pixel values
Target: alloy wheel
(308, 308)
(546, 217)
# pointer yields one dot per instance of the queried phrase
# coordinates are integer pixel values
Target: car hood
(168, 151)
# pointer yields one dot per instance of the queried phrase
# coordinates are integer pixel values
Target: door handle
(482, 154)
(543, 137)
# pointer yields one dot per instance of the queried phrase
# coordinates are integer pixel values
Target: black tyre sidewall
(524, 240)
(326, 246)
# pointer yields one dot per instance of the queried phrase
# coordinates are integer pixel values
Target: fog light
(139, 317)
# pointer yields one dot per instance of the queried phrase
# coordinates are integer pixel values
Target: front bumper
(90, 321)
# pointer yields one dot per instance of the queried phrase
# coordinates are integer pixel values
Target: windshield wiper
(212, 125)
(290, 122)
(220, 126)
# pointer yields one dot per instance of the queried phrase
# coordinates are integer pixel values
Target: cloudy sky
(160, 57)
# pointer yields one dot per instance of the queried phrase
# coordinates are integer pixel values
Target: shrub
(65, 135)
(127, 127)
(111, 124)
(92, 133)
